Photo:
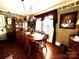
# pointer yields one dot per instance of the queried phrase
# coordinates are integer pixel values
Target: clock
(9, 21)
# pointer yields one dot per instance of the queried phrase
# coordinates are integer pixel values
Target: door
(2, 28)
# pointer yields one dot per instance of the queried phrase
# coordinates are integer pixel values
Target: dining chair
(42, 42)
(28, 43)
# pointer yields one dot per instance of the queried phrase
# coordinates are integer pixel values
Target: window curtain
(51, 28)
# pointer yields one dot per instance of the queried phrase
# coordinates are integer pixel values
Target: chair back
(45, 37)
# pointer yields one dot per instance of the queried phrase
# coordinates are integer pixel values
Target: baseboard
(2, 41)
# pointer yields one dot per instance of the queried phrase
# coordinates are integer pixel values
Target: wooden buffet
(73, 48)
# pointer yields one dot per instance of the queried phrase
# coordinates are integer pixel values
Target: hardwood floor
(17, 51)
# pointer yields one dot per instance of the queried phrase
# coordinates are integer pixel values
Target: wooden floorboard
(17, 51)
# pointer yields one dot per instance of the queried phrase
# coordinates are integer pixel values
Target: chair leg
(29, 50)
(45, 48)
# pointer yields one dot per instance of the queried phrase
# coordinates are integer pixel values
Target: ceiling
(38, 6)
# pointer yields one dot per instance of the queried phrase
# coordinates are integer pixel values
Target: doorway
(2, 28)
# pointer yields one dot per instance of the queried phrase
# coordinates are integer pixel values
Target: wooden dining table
(28, 40)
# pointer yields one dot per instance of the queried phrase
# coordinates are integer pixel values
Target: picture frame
(68, 20)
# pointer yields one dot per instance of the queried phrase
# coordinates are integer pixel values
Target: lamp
(28, 17)
(77, 25)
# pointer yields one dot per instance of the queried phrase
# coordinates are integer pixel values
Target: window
(46, 26)
(25, 25)
(38, 25)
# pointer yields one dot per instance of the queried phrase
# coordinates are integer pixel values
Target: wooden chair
(42, 42)
(28, 44)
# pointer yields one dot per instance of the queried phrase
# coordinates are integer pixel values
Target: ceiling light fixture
(29, 17)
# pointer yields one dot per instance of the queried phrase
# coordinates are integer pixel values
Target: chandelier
(29, 17)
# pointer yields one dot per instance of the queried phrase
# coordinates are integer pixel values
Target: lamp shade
(77, 22)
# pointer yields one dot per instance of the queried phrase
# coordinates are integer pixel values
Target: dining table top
(35, 35)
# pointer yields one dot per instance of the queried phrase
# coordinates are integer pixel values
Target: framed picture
(68, 20)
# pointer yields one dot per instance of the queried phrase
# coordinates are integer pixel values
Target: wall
(9, 31)
(62, 35)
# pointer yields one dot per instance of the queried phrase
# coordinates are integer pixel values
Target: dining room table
(30, 39)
